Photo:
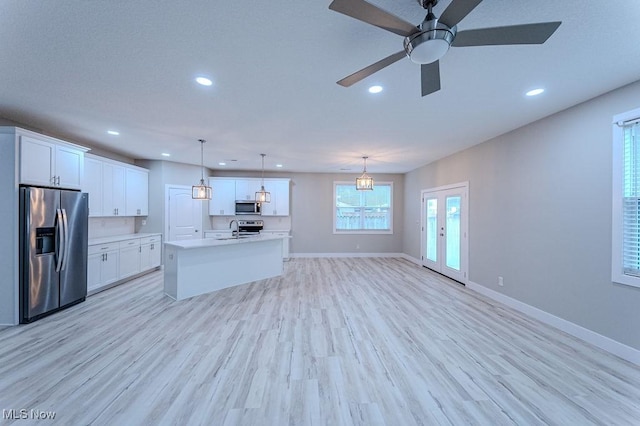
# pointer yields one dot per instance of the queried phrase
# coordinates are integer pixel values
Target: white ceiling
(77, 68)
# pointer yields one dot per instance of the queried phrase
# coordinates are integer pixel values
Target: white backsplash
(107, 226)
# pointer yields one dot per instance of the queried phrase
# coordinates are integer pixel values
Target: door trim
(464, 247)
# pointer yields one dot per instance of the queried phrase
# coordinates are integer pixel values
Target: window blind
(631, 200)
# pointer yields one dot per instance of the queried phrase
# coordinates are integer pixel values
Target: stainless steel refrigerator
(53, 250)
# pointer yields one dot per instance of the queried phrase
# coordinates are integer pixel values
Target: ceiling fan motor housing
(431, 42)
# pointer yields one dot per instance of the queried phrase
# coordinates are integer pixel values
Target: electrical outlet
(500, 281)
(144, 222)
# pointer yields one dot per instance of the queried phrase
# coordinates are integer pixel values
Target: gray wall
(163, 173)
(540, 215)
(313, 210)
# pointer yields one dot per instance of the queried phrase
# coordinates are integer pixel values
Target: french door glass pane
(453, 232)
(432, 229)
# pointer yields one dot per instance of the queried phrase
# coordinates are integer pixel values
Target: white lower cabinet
(150, 252)
(121, 258)
(102, 266)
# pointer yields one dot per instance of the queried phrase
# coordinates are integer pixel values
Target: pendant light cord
(202, 141)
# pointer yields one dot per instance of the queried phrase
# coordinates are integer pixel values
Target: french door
(444, 236)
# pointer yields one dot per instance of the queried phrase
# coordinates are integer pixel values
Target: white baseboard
(612, 346)
(308, 255)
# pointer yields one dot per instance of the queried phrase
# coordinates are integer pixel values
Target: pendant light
(364, 182)
(263, 196)
(202, 191)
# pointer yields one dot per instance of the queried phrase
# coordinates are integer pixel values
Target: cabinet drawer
(129, 243)
(149, 240)
(103, 248)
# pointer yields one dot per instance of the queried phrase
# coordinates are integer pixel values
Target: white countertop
(123, 237)
(213, 242)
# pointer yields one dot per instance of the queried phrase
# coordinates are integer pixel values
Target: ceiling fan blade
(515, 34)
(366, 12)
(430, 76)
(373, 68)
(457, 10)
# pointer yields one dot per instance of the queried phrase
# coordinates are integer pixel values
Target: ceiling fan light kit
(431, 43)
(428, 42)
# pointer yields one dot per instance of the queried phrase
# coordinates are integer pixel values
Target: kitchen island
(194, 267)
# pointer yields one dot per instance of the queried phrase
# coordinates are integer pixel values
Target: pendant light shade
(263, 196)
(201, 191)
(364, 182)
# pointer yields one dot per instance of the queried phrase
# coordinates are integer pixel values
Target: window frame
(617, 224)
(363, 231)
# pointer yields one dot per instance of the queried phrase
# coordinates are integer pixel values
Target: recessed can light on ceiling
(534, 92)
(166, 154)
(222, 163)
(279, 166)
(375, 89)
(113, 132)
(204, 81)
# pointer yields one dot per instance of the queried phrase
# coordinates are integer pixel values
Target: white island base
(195, 267)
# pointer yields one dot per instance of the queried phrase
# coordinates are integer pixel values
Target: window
(625, 265)
(363, 212)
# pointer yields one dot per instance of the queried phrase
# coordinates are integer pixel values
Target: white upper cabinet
(92, 184)
(279, 205)
(48, 162)
(246, 189)
(223, 198)
(227, 190)
(115, 188)
(137, 192)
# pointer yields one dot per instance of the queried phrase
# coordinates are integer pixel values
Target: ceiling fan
(426, 43)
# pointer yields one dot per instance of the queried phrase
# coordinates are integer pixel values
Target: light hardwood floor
(331, 342)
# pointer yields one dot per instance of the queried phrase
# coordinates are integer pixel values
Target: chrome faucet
(237, 231)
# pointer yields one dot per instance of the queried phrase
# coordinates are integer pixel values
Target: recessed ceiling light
(534, 92)
(222, 163)
(375, 89)
(166, 154)
(279, 166)
(204, 81)
(113, 132)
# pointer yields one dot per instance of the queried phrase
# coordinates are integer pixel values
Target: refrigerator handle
(60, 241)
(66, 240)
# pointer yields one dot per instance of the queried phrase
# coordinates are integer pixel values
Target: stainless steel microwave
(247, 207)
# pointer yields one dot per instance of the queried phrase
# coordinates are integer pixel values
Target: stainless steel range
(250, 227)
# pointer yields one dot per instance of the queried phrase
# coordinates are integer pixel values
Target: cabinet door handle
(58, 180)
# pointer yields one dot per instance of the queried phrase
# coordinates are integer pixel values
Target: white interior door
(444, 239)
(184, 214)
